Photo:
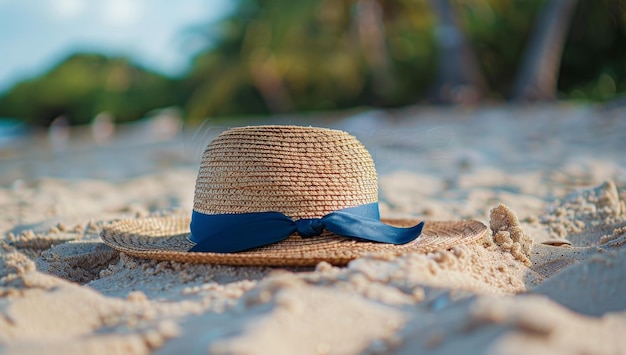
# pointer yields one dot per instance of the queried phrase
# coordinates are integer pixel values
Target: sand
(549, 181)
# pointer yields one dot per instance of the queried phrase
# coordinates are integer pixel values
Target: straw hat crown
(302, 172)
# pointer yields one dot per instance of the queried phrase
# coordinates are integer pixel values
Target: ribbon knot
(309, 227)
(231, 233)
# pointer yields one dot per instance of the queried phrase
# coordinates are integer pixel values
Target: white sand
(549, 181)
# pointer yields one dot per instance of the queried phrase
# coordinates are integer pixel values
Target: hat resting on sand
(284, 195)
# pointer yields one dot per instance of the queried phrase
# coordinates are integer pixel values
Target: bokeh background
(76, 61)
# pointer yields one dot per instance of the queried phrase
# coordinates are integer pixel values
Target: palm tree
(538, 74)
(459, 79)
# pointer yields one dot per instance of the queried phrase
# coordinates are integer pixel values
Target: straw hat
(295, 174)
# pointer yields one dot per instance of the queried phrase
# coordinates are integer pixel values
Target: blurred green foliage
(594, 61)
(273, 56)
(306, 55)
(87, 84)
(498, 32)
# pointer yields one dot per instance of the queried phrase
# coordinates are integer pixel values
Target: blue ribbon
(230, 233)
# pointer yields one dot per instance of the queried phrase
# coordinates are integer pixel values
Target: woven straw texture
(165, 238)
(302, 172)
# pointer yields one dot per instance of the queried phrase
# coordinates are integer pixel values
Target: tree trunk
(537, 78)
(459, 79)
(371, 32)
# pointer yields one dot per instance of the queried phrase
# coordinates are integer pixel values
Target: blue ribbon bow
(230, 233)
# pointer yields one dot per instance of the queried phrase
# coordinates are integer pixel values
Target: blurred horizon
(42, 34)
(79, 61)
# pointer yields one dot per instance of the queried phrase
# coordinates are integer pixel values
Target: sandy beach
(549, 278)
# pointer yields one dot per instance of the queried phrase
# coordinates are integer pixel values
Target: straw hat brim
(165, 238)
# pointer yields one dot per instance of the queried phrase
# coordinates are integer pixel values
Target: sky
(35, 35)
